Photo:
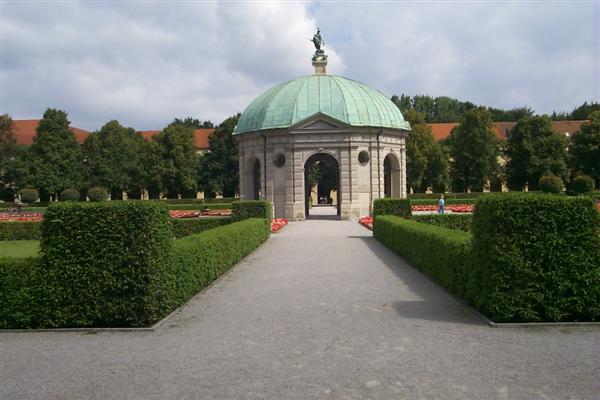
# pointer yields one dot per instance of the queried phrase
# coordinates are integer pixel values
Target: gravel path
(321, 311)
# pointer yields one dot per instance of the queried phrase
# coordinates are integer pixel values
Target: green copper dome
(346, 100)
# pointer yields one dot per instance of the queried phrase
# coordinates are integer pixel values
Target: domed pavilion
(315, 119)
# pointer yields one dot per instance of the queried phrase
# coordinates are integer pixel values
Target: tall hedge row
(531, 258)
(461, 222)
(22, 296)
(242, 210)
(442, 253)
(189, 226)
(200, 259)
(397, 207)
(20, 230)
(537, 258)
(117, 264)
(107, 262)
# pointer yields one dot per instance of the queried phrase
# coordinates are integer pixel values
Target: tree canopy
(585, 149)
(56, 157)
(533, 150)
(219, 167)
(474, 151)
(112, 157)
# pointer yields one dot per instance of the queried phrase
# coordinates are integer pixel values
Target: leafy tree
(447, 109)
(533, 150)
(150, 177)
(437, 174)
(585, 110)
(177, 161)
(190, 122)
(8, 149)
(219, 167)
(585, 149)
(17, 172)
(113, 158)
(56, 158)
(474, 151)
(418, 145)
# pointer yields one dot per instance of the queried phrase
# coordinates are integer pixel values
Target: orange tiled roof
(25, 130)
(501, 129)
(200, 136)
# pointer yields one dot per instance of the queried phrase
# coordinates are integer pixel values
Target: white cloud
(146, 63)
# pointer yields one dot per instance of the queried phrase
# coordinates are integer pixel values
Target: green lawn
(19, 248)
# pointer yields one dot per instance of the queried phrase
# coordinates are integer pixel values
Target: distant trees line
(447, 109)
(472, 158)
(119, 159)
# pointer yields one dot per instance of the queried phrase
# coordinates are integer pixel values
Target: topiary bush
(460, 222)
(583, 184)
(199, 259)
(536, 258)
(241, 210)
(551, 184)
(70, 194)
(397, 207)
(106, 263)
(29, 195)
(190, 226)
(442, 253)
(20, 230)
(97, 193)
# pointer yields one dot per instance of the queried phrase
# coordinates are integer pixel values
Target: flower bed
(367, 222)
(199, 213)
(277, 224)
(27, 217)
(457, 208)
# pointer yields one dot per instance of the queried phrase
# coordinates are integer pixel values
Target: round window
(279, 160)
(363, 157)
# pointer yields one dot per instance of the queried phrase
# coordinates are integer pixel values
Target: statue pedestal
(319, 61)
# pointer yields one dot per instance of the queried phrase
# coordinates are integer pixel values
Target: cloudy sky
(147, 62)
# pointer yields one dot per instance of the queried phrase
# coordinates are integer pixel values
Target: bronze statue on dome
(318, 41)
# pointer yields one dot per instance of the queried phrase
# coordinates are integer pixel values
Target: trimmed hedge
(222, 200)
(106, 263)
(242, 210)
(70, 194)
(97, 193)
(190, 226)
(29, 195)
(398, 207)
(22, 298)
(536, 258)
(583, 184)
(199, 259)
(442, 253)
(460, 222)
(20, 230)
(551, 184)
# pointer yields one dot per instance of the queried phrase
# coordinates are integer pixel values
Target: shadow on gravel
(437, 303)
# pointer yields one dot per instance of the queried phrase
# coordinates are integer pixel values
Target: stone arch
(313, 158)
(253, 178)
(392, 176)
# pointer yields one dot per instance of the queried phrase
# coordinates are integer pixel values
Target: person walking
(441, 204)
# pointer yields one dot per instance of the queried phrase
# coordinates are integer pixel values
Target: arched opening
(253, 174)
(322, 186)
(391, 176)
(256, 180)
